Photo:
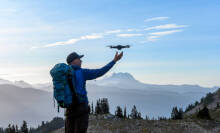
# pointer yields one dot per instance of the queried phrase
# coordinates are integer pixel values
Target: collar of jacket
(75, 67)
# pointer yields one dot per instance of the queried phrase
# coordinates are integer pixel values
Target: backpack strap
(53, 101)
(73, 88)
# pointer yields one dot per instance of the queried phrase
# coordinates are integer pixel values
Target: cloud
(112, 31)
(156, 19)
(154, 36)
(119, 30)
(75, 40)
(71, 41)
(166, 26)
(163, 33)
(93, 36)
(129, 30)
(128, 35)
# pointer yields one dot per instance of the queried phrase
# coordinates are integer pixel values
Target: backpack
(63, 77)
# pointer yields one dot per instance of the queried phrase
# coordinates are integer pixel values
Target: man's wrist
(114, 61)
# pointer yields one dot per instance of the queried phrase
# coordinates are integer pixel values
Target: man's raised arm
(90, 74)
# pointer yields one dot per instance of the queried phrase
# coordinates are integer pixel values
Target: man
(77, 118)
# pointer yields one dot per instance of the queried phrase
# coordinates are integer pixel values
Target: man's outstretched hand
(118, 56)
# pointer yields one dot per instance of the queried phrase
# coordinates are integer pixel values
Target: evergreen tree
(16, 129)
(118, 112)
(134, 113)
(13, 129)
(147, 118)
(89, 109)
(208, 99)
(31, 130)
(204, 114)
(92, 110)
(8, 129)
(102, 106)
(189, 107)
(196, 103)
(139, 115)
(177, 113)
(98, 107)
(42, 123)
(24, 128)
(153, 118)
(105, 106)
(125, 113)
(1, 130)
(162, 118)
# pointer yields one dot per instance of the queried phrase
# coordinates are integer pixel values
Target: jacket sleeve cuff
(113, 62)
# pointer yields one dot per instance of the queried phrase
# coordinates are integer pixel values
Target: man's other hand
(118, 56)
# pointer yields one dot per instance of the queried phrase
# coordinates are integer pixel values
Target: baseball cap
(72, 56)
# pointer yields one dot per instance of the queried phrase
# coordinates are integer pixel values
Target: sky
(172, 42)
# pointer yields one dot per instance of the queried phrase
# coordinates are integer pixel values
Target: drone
(119, 47)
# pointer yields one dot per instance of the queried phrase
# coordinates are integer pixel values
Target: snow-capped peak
(122, 79)
(120, 76)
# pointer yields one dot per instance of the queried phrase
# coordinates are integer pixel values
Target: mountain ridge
(147, 98)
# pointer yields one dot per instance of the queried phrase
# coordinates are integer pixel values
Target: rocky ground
(102, 125)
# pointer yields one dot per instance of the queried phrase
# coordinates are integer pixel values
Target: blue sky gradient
(173, 42)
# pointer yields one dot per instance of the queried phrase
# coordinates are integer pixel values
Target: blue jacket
(83, 74)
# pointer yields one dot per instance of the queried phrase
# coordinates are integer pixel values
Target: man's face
(77, 62)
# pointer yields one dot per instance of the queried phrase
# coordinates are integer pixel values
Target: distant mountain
(19, 83)
(3, 81)
(35, 102)
(18, 104)
(153, 100)
(121, 80)
(127, 81)
(119, 77)
(22, 84)
(44, 86)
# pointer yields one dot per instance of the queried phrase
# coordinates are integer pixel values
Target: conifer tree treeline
(119, 112)
(209, 98)
(177, 113)
(47, 127)
(204, 114)
(135, 114)
(15, 129)
(102, 107)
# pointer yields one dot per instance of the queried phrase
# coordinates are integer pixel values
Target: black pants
(77, 120)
